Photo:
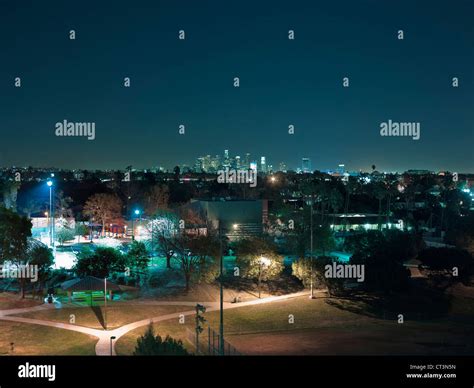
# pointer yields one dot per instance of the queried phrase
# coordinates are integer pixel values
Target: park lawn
(320, 328)
(251, 319)
(202, 293)
(42, 340)
(9, 300)
(117, 314)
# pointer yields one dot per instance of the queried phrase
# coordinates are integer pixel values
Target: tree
(379, 192)
(162, 229)
(80, 230)
(150, 345)
(103, 208)
(176, 173)
(138, 258)
(156, 199)
(64, 234)
(33, 205)
(461, 233)
(449, 260)
(195, 255)
(383, 255)
(14, 233)
(99, 263)
(258, 259)
(62, 206)
(304, 270)
(42, 257)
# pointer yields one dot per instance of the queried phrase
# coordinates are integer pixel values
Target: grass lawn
(10, 300)
(43, 340)
(322, 328)
(118, 314)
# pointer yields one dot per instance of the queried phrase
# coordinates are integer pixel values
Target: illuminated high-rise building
(237, 162)
(226, 159)
(306, 165)
(247, 161)
(263, 164)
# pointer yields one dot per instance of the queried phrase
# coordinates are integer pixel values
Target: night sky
(283, 82)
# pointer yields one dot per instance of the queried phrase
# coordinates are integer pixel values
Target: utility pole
(199, 321)
(311, 248)
(105, 303)
(221, 275)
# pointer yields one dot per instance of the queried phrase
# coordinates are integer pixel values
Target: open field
(13, 300)
(321, 328)
(118, 314)
(42, 340)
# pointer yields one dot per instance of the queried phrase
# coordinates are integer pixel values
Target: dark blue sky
(282, 82)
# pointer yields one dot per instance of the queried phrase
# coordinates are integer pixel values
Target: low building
(236, 218)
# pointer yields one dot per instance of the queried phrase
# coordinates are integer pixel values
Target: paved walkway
(103, 346)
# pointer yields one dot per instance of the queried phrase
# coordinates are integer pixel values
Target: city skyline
(282, 83)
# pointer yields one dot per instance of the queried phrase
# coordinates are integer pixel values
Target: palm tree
(391, 187)
(336, 201)
(379, 193)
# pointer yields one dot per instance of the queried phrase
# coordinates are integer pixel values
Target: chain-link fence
(208, 343)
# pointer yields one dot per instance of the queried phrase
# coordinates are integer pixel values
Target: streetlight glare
(265, 261)
(49, 183)
(137, 212)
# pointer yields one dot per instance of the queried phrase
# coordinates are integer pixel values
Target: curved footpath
(102, 347)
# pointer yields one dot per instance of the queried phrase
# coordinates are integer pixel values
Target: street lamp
(264, 262)
(311, 296)
(105, 303)
(221, 293)
(137, 213)
(51, 212)
(111, 348)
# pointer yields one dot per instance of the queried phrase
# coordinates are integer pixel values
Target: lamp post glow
(137, 213)
(264, 262)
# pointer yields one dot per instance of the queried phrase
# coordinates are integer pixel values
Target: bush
(150, 345)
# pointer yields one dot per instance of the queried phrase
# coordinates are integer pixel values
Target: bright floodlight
(49, 183)
(235, 226)
(265, 262)
(137, 212)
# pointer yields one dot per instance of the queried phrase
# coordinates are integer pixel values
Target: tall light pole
(221, 301)
(51, 213)
(263, 263)
(137, 213)
(311, 249)
(105, 304)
